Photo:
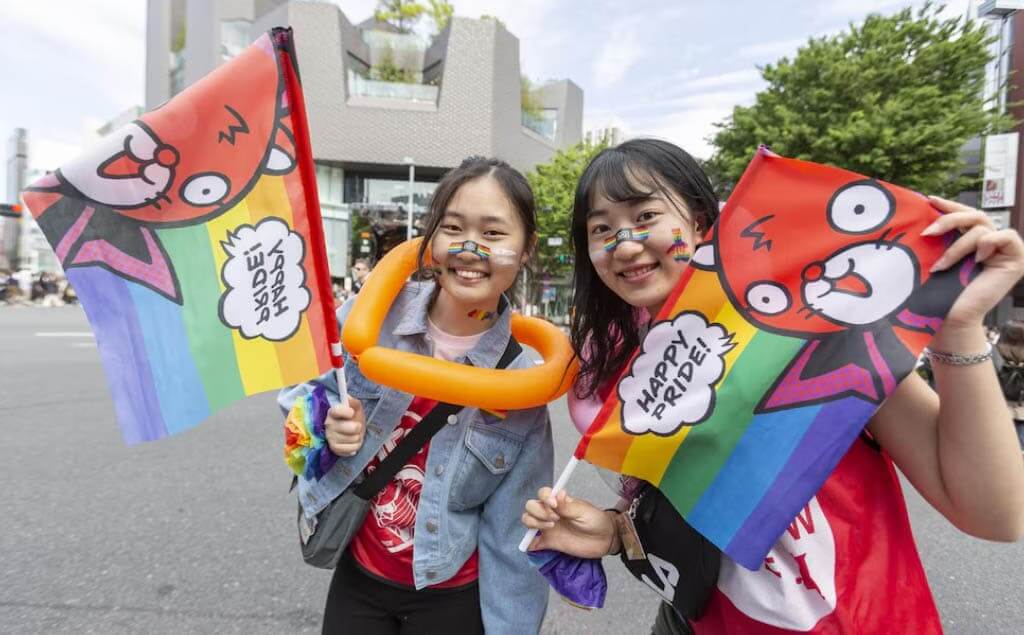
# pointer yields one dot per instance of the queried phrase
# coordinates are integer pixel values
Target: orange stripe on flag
(295, 356)
(314, 314)
(647, 456)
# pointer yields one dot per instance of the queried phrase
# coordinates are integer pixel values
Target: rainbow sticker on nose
(473, 247)
(637, 234)
(680, 250)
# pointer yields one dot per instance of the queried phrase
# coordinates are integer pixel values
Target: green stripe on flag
(209, 341)
(709, 444)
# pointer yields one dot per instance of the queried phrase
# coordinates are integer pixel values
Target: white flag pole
(560, 484)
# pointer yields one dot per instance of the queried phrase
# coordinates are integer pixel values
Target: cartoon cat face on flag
(841, 266)
(182, 163)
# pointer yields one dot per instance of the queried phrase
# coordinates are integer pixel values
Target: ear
(704, 256)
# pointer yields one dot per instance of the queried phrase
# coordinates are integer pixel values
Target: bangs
(619, 178)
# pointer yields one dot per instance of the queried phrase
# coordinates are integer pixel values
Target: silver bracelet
(956, 359)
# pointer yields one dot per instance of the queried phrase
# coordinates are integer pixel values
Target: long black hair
(512, 183)
(631, 171)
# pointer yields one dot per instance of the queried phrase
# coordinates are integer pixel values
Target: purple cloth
(321, 460)
(579, 580)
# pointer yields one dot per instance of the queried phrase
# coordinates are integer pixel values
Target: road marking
(63, 333)
(83, 344)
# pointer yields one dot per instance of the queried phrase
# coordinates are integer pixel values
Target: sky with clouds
(665, 68)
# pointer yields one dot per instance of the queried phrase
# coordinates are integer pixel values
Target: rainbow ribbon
(638, 233)
(305, 448)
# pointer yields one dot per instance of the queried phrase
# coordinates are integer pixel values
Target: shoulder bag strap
(420, 435)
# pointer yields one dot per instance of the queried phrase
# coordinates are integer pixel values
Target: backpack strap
(420, 435)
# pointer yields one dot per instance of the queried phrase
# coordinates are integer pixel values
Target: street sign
(999, 183)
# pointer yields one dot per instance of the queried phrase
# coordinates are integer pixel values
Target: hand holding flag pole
(563, 480)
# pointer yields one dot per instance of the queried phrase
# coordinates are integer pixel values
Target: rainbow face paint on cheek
(680, 250)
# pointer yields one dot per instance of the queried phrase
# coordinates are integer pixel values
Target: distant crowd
(24, 288)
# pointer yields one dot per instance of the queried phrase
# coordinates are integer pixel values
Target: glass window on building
(234, 37)
(330, 183)
(378, 191)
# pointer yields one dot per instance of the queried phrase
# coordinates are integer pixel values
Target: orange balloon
(488, 388)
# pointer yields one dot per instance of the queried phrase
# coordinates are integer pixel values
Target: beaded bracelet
(956, 359)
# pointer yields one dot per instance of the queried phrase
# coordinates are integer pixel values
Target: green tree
(554, 187)
(387, 71)
(528, 99)
(405, 14)
(895, 98)
(441, 13)
(401, 14)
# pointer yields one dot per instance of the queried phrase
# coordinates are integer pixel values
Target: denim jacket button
(432, 528)
(439, 470)
(431, 575)
(499, 461)
(452, 420)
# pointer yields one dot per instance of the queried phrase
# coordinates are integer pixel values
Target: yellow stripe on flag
(295, 356)
(257, 360)
(649, 455)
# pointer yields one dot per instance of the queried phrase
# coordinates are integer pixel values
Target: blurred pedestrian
(1009, 360)
(360, 270)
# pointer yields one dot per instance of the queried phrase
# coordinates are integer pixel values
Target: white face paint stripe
(500, 256)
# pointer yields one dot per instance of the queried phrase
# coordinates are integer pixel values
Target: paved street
(195, 534)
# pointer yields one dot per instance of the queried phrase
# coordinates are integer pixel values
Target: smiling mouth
(469, 275)
(636, 272)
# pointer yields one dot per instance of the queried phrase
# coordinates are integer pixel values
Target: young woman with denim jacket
(437, 552)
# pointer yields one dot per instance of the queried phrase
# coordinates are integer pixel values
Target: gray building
(459, 95)
(17, 168)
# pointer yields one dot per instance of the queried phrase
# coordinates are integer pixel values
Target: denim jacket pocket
(490, 454)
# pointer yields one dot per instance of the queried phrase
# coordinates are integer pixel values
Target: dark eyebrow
(489, 218)
(632, 202)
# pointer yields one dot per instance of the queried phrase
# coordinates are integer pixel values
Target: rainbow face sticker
(637, 234)
(473, 247)
(483, 316)
(680, 250)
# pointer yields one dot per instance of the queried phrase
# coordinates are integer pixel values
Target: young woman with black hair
(434, 554)
(848, 562)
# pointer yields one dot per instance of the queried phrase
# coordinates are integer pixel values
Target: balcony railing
(545, 125)
(362, 87)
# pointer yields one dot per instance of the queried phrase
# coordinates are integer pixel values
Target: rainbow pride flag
(193, 239)
(806, 304)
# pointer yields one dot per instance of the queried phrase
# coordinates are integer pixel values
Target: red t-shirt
(847, 564)
(384, 544)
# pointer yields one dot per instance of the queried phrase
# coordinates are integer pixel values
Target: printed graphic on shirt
(799, 575)
(393, 509)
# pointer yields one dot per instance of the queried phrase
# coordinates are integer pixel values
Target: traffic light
(10, 210)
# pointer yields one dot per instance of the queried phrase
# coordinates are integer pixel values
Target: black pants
(359, 604)
(668, 622)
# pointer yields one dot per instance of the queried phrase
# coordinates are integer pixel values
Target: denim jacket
(480, 471)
